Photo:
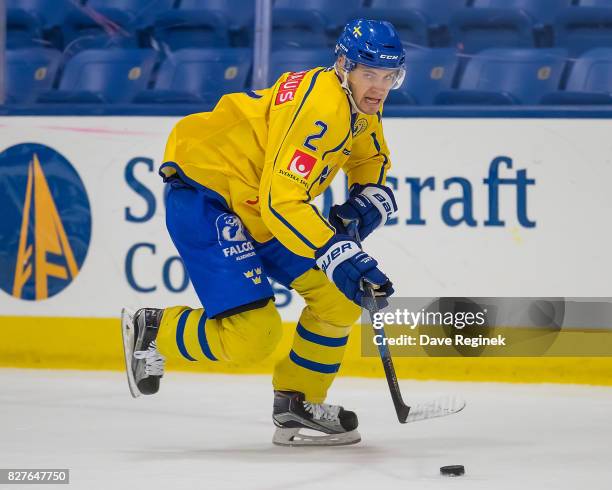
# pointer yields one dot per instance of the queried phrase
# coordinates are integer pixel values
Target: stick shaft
(401, 409)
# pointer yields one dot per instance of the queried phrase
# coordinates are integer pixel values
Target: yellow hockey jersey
(270, 152)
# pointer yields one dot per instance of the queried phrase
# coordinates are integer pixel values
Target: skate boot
(301, 423)
(143, 362)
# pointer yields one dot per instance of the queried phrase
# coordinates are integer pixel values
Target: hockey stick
(401, 409)
(439, 407)
(370, 303)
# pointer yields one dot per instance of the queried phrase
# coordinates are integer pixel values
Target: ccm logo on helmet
(388, 57)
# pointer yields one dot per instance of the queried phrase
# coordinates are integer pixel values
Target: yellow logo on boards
(49, 238)
(437, 72)
(134, 73)
(46, 222)
(40, 73)
(544, 73)
(230, 72)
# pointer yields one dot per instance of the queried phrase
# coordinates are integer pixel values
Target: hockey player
(241, 180)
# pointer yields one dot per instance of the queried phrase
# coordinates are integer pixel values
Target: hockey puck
(452, 470)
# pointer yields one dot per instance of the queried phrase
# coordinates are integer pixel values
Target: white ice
(214, 432)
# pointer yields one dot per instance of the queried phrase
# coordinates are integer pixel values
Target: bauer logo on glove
(370, 207)
(345, 248)
(348, 267)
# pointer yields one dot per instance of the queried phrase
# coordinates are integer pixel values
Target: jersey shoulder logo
(47, 226)
(360, 126)
(287, 90)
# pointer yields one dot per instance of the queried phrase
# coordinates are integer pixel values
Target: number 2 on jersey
(315, 136)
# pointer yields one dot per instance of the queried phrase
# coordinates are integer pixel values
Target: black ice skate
(143, 362)
(295, 418)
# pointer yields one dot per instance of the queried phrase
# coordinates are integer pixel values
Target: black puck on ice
(452, 470)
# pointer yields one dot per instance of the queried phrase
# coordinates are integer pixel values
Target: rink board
(495, 207)
(81, 343)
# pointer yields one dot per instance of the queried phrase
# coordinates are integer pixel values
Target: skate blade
(127, 332)
(293, 438)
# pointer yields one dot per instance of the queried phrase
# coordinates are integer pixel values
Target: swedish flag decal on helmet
(371, 42)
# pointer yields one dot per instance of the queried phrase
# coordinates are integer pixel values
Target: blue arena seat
(310, 23)
(419, 22)
(29, 71)
(589, 82)
(435, 12)
(22, 29)
(428, 72)
(306, 30)
(103, 76)
(143, 11)
(90, 29)
(47, 13)
(298, 60)
(113, 23)
(411, 25)
(585, 26)
(29, 20)
(239, 14)
(333, 15)
(196, 75)
(505, 23)
(508, 76)
(176, 30)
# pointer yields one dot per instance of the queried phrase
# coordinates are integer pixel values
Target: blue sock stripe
(314, 366)
(203, 340)
(320, 339)
(180, 335)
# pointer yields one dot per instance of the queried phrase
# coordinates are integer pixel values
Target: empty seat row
(131, 75)
(576, 25)
(129, 23)
(434, 76)
(468, 25)
(505, 77)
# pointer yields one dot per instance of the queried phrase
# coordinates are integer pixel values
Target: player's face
(370, 87)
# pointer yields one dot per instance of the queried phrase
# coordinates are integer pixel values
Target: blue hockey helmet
(373, 43)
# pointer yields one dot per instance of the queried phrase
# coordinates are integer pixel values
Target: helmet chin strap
(343, 74)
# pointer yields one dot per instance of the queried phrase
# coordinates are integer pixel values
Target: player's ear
(340, 61)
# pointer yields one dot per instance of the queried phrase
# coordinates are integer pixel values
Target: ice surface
(214, 432)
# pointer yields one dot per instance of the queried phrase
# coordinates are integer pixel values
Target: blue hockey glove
(369, 206)
(342, 259)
